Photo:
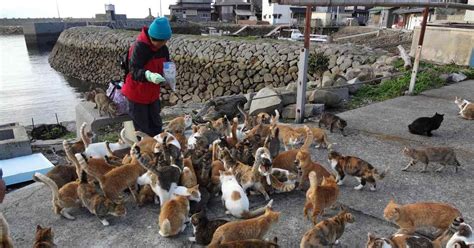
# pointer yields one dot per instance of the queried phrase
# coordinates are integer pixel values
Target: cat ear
(370, 236)
(275, 239)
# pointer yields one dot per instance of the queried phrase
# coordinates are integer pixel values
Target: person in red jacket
(145, 78)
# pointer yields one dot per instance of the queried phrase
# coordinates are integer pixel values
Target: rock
(196, 98)
(266, 100)
(291, 87)
(187, 97)
(352, 73)
(293, 69)
(367, 73)
(456, 77)
(225, 79)
(391, 60)
(219, 91)
(341, 81)
(249, 96)
(173, 99)
(325, 97)
(327, 80)
(257, 79)
(340, 60)
(241, 74)
(346, 64)
(234, 89)
(354, 85)
(313, 84)
(288, 78)
(287, 96)
(268, 77)
(310, 110)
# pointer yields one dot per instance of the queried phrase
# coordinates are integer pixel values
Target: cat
(44, 238)
(105, 105)
(399, 241)
(466, 108)
(119, 153)
(306, 165)
(319, 197)
(327, 232)
(409, 217)
(425, 125)
(234, 198)
(286, 160)
(356, 167)
(443, 155)
(254, 228)
(96, 203)
(5, 239)
(182, 140)
(290, 137)
(188, 176)
(272, 142)
(169, 145)
(64, 198)
(464, 237)
(99, 150)
(95, 167)
(173, 216)
(331, 121)
(146, 195)
(217, 166)
(203, 228)
(62, 174)
(320, 137)
(180, 124)
(71, 149)
(90, 95)
(253, 243)
(222, 126)
(443, 239)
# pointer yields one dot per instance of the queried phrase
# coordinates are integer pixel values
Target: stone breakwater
(207, 66)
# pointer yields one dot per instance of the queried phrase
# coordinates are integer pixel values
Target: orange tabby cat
(409, 217)
(327, 232)
(254, 228)
(180, 124)
(94, 167)
(174, 213)
(5, 240)
(188, 176)
(286, 160)
(253, 243)
(145, 195)
(44, 238)
(64, 198)
(319, 197)
(307, 165)
(320, 136)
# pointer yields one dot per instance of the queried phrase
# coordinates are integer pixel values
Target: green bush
(318, 63)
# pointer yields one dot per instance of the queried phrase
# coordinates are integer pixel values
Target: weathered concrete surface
(376, 133)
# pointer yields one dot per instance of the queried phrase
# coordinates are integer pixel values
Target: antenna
(57, 9)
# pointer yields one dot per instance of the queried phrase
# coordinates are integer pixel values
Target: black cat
(425, 125)
(204, 228)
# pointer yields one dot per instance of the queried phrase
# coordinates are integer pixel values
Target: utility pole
(57, 9)
(161, 12)
(303, 70)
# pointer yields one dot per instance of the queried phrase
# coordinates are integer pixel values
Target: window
(264, 16)
(275, 16)
(279, 16)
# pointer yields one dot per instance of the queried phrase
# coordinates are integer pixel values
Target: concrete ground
(376, 133)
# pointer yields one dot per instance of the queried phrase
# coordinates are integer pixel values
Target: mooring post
(303, 70)
(418, 51)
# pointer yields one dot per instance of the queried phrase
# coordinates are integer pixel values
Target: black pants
(146, 117)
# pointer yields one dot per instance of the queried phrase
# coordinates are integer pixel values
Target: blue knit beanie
(160, 29)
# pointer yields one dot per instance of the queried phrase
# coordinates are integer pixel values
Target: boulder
(325, 97)
(292, 87)
(287, 97)
(310, 110)
(354, 85)
(327, 80)
(249, 97)
(456, 77)
(266, 100)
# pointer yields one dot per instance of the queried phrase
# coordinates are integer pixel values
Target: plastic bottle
(169, 69)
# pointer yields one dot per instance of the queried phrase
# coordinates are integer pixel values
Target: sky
(80, 8)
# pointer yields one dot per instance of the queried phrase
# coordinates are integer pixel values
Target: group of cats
(231, 159)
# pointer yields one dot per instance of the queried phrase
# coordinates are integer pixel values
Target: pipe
(372, 3)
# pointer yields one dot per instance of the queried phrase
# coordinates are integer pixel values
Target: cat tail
(165, 228)
(5, 232)
(282, 187)
(70, 156)
(86, 140)
(38, 177)
(83, 177)
(257, 212)
(309, 138)
(380, 176)
(313, 179)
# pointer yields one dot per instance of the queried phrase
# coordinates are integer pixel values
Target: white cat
(234, 198)
(464, 234)
(99, 149)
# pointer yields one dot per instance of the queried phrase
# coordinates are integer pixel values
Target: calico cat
(173, 216)
(234, 198)
(253, 243)
(464, 237)
(255, 228)
(356, 167)
(62, 174)
(327, 232)
(425, 125)
(44, 238)
(97, 203)
(203, 228)
(443, 155)
(399, 241)
(466, 108)
(409, 217)
(331, 121)
(320, 197)
(306, 165)
(64, 198)
(180, 124)
(5, 239)
(105, 105)
(169, 146)
(443, 239)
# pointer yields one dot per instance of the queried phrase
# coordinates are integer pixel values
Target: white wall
(469, 17)
(270, 9)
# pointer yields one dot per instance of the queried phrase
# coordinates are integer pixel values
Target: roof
(241, 12)
(231, 2)
(408, 11)
(379, 9)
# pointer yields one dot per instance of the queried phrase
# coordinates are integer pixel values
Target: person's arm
(140, 56)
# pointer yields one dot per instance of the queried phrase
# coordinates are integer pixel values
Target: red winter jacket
(142, 57)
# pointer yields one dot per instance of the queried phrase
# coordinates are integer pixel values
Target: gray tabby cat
(443, 155)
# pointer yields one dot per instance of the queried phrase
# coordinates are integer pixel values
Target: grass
(428, 78)
(69, 135)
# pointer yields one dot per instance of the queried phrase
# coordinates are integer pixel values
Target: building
(409, 18)
(192, 10)
(232, 10)
(110, 14)
(469, 16)
(382, 17)
(277, 14)
(339, 16)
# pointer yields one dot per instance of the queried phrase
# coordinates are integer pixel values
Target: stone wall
(207, 66)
